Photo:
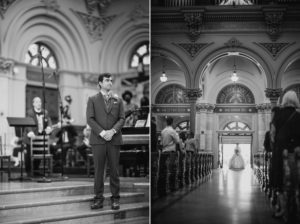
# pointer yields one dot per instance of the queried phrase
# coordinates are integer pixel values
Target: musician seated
(44, 126)
(130, 110)
(85, 147)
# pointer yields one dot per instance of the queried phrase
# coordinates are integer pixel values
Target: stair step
(84, 215)
(135, 220)
(28, 190)
(67, 203)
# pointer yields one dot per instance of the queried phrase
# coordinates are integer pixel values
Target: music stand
(21, 122)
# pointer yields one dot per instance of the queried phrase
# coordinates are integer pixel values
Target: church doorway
(228, 152)
(228, 141)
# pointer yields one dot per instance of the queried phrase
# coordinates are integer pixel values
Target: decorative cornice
(273, 20)
(274, 49)
(193, 94)
(233, 43)
(273, 93)
(138, 13)
(235, 109)
(4, 5)
(101, 5)
(171, 109)
(192, 49)
(6, 65)
(264, 107)
(203, 107)
(51, 4)
(194, 22)
(95, 26)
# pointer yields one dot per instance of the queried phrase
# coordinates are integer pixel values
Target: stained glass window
(236, 126)
(171, 94)
(47, 56)
(140, 55)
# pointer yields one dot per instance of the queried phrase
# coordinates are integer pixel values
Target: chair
(37, 145)
(4, 157)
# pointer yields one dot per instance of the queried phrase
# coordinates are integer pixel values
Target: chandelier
(234, 78)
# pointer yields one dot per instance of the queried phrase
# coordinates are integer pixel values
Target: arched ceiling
(294, 66)
(226, 64)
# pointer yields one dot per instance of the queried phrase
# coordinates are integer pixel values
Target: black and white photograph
(74, 111)
(225, 88)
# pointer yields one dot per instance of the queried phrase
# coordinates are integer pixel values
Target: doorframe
(222, 133)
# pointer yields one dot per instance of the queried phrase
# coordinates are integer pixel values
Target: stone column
(204, 128)
(209, 127)
(273, 95)
(193, 95)
(263, 122)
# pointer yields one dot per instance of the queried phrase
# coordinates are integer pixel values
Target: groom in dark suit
(105, 116)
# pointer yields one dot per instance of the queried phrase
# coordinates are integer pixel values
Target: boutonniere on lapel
(115, 98)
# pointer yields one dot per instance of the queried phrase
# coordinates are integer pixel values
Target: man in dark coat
(105, 116)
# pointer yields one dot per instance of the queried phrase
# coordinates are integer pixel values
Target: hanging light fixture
(163, 77)
(234, 78)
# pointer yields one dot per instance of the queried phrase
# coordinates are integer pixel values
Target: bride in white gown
(237, 162)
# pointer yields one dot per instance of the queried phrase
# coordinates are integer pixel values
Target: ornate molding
(273, 20)
(235, 109)
(51, 4)
(4, 5)
(233, 43)
(171, 109)
(139, 13)
(273, 94)
(193, 94)
(95, 26)
(192, 49)
(274, 49)
(6, 65)
(101, 5)
(264, 107)
(203, 107)
(194, 22)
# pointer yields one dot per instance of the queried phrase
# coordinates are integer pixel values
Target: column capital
(205, 107)
(273, 94)
(6, 65)
(193, 94)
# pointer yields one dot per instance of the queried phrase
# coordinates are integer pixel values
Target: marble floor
(229, 197)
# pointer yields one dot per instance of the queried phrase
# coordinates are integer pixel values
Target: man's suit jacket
(101, 117)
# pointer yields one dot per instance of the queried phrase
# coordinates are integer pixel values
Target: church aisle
(229, 197)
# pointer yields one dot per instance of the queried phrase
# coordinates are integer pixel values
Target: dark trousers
(110, 154)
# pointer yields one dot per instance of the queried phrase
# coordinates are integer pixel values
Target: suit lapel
(110, 104)
(106, 106)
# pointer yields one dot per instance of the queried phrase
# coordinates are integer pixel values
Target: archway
(234, 133)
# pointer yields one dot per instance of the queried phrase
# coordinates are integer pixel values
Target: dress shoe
(115, 204)
(97, 204)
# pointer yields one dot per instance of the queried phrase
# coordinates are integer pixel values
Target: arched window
(48, 58)
(140, 56)
(235, 94)
(236, 126)
(171, 94)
